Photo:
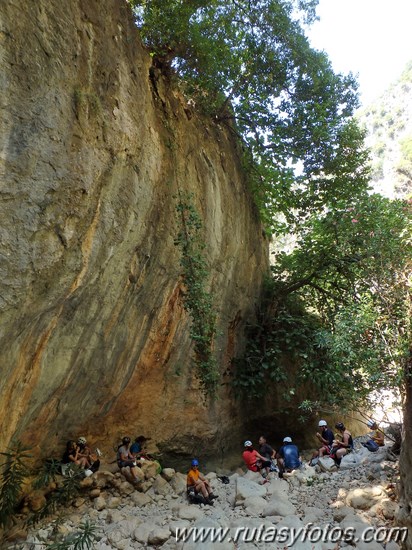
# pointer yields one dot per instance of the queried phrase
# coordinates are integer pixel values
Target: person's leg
(82, 462)
(281, 466)
(200, 487)
(340, 453)
(210, 491)
(133, 471)
(266, 465)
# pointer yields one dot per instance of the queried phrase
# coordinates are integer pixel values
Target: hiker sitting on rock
(377, 437)
(254, 460)
(72, 455)
(268, 452)
(197, 483)
(326, 437)
(86, 452)
(125, 459)
(288, 457)
(138, 448)
(343, 447)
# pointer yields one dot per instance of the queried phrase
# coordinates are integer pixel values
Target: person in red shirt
(254, 460)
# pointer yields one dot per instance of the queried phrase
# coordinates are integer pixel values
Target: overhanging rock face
(93, 332)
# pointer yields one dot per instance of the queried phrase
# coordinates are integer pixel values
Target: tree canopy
(338, 304)
(250, 66)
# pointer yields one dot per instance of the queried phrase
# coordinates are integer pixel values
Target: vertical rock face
(405, 512)
(93, 332)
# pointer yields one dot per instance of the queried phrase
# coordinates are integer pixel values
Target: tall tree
(352, 270)
(249, 65)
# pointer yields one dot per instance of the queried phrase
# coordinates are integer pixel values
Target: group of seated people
(337, 446)
(287, 457)
(129, 455)
(334, 446)
(80, 454)
(265, 461)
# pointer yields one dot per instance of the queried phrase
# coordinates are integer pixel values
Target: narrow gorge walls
(94, 337)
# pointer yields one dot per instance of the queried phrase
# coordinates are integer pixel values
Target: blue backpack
(371, 445)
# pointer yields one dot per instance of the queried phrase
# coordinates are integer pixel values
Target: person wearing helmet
(125, 459)
(342, 447)
(72, 456)
(377, 434)
(254, 461)
(84, 449)
(377, 437)
(197, 483)
(86, 452)
(325, 437)
(288, 457)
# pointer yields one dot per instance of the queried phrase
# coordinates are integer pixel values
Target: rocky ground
(323, 507)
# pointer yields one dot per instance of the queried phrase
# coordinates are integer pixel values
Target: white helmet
(371, 423)
(248, 443)
(322, 423)
(82, 440)
(287, 439)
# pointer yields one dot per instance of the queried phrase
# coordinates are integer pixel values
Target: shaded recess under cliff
(93, 333)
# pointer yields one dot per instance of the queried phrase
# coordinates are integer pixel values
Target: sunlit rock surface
(93, 332)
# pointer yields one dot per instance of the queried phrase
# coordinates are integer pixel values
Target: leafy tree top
(249, 65)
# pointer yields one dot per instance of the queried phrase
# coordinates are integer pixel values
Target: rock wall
(405, 513)
(94, 337)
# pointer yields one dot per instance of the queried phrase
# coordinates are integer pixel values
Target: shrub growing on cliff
(197, 300)
(249, 65)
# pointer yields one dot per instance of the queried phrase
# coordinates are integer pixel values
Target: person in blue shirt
(288, 457)
(138, 447)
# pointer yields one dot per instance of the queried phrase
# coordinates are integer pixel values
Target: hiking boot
(209, 501)
(213, 497)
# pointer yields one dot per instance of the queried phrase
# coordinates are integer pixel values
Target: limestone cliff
(94, 338)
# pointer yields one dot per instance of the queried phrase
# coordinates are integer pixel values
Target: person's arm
(74, 455)
(205, 481)
(86, 453)
(378, 437)
(125, 454)
(258, 455)
(345, 441)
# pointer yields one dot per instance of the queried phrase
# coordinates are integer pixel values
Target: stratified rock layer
(94, 151)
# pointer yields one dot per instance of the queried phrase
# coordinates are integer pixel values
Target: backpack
(223, 479)
(371, 445)
(273, 466)
(195, 498)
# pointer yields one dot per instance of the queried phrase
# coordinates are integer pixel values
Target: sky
(371, 38)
